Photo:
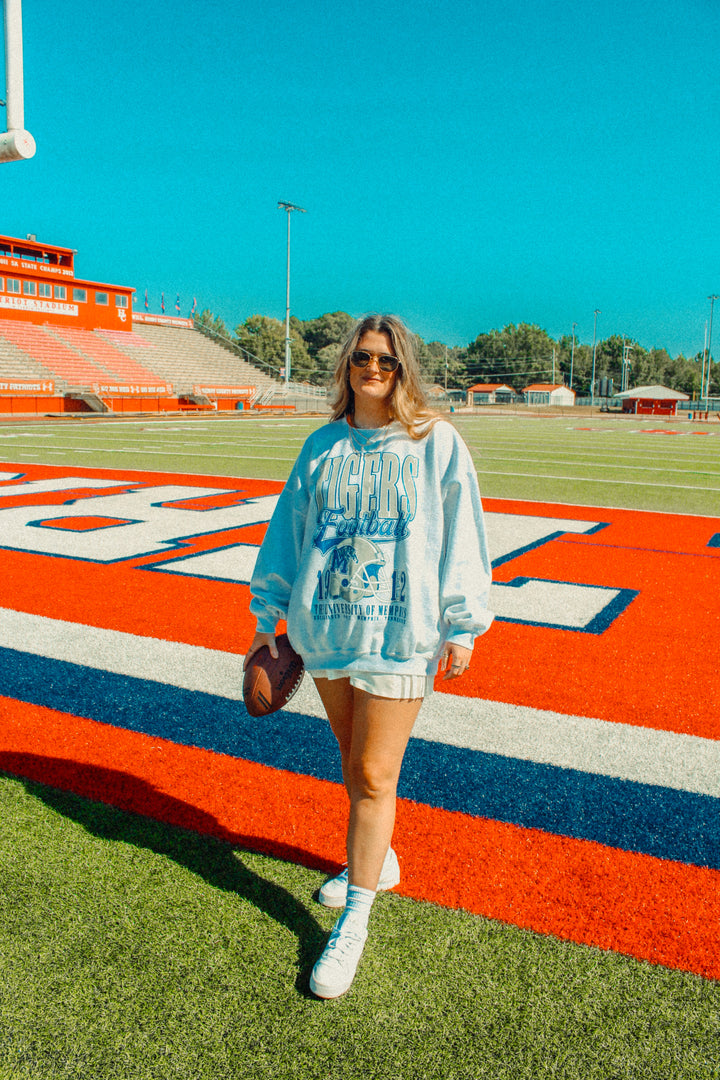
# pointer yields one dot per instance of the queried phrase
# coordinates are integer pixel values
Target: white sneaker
(334, 891)
(335, 970)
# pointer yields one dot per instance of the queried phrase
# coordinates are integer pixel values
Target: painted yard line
(562, 439)
(550, 435)
(140, 453)
(588, 436)
(164, 435)
(234, 443)
(209, 437)
(234, 478)
(591, 480)
(692, 469)
(241, 455)
(583, 454)
(665, 759)
(655, 463)
(194, 446)
(631, 451)
(178, 422)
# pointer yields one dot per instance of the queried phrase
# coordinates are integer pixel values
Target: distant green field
(601, 461)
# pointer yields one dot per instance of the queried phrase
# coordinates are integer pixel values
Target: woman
(376, 556)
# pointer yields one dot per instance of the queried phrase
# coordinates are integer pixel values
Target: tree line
(516, 355)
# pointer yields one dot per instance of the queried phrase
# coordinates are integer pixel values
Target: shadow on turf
(188, 841)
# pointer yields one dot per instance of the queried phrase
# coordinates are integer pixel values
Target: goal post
(16, 144)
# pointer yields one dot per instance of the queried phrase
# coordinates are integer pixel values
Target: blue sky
(464, 165)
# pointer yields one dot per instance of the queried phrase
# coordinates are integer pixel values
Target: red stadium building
(38, 285)
(68, 345)
(652, 400)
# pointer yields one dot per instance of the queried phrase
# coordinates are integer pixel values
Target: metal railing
(291, 392)
(238, 350)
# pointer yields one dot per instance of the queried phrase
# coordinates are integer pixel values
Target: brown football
(268, 683)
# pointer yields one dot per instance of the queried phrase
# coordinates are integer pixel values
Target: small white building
(548, 394)
(489, 393)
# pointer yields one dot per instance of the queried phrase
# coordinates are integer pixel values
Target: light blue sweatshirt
(376, 552)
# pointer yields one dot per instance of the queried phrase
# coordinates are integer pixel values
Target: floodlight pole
(712, 300)
(572, 354)
(16, 144)
(626, 365)
(288, 207)
(592, 382)
(702, 376)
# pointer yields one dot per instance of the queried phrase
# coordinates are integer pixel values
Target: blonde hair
(407, 402)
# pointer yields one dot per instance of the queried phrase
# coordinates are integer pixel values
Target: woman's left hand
(456, 659)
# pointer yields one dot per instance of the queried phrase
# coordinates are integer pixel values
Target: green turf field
(133, 950)
(642, 464)
(130, 950)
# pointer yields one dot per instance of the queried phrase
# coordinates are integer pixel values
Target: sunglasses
(385, 361)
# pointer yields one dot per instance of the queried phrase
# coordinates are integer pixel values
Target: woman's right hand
(257, 643)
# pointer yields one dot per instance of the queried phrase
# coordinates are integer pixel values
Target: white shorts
(401, 687)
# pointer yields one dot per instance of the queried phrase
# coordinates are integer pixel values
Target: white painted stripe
(667, 759)
(646, 755)
(250, 452)
(541, 474)
(190, 667)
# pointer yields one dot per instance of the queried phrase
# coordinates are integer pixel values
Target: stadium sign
(29, 303)
(225, 391)
(133, 389)
(163, 320)
(36, 267)
(24, 386)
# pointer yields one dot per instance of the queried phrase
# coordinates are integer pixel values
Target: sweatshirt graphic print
(366, 502)
(376, 552)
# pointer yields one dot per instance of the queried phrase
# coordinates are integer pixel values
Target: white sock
(357, 907)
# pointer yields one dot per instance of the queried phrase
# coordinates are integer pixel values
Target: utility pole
(592, 381)
(626, 365)
(702, 376)
(572, 354)
(288, 207)
(712, 300)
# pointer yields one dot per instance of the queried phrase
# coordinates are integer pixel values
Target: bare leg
(337, 696)
(372, 733)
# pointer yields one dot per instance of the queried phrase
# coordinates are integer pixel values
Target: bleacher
(77, 360)
(36, 351)
(168, 364)
(15, 362)
(107, 356)
(187, 358)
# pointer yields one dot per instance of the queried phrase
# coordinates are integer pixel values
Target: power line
(482, 370)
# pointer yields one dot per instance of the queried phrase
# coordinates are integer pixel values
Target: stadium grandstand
(68, 345)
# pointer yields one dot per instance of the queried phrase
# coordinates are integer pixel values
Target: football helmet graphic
(355, 566)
